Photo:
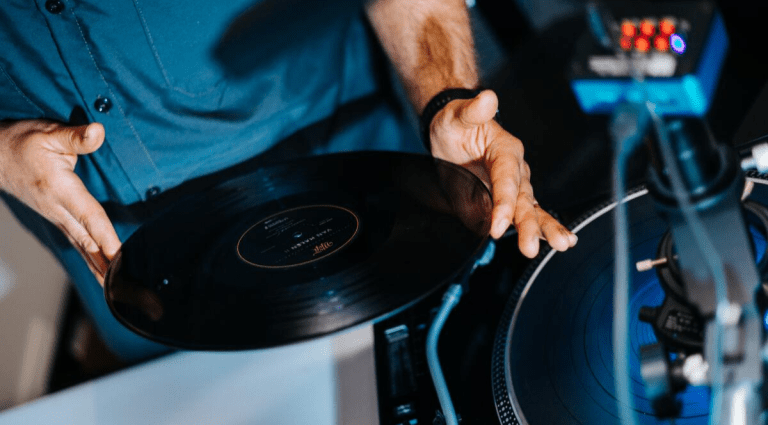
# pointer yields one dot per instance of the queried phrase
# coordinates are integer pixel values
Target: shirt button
(103, 104)
(153, 192)
(54, 6)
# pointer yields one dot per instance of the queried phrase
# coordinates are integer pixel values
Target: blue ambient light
(765, 320)
(677, 43)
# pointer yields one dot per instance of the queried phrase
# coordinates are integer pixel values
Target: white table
(325, 381)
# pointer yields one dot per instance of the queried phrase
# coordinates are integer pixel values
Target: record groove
(298, 250)
(573, 381)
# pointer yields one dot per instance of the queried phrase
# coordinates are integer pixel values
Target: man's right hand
(37, 163)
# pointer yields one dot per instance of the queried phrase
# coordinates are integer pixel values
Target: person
(107, 104)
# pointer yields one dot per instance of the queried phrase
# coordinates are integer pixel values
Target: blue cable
(628, 126)
(450, 299)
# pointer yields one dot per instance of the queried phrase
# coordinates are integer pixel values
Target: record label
(298, 236)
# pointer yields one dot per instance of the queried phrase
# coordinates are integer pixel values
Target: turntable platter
(553, 353)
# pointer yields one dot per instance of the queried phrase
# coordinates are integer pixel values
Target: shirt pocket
(182, 38)
(14, 104)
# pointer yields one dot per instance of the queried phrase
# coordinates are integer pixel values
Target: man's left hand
(464, 132)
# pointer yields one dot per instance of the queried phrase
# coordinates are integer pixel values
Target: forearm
(429, 43)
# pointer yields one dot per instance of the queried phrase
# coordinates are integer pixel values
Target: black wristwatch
(437, 104)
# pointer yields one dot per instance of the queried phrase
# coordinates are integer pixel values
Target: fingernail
(97, 264)
(572, 238)
(532, 250)
(501, 227)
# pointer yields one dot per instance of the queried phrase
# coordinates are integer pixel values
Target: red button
(628, 29)
(667, 27)
(661, 43)
(642, 44)
(626, 43)
(647, 28)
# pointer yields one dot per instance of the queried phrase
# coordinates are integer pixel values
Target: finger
(558, 237)
(528, 230)
(80, 140)
(87, 211)
(479, 110)
(550, 229)
(90, 261)
(527, 216)
(504, 170)
(86, 245)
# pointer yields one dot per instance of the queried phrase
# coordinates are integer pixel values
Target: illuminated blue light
(765, 320)
(677, 43)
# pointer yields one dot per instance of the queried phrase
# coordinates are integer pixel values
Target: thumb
(479, 110)
(81, 140)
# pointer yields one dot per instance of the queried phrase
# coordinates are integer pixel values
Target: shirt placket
(101, 102)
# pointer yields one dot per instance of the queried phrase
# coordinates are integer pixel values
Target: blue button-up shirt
(145, 70)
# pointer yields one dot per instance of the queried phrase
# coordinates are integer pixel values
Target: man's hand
(464, 132)
(37, 162)
(430, 44)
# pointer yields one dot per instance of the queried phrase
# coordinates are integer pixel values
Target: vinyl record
(553, 353)
(298, 250)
